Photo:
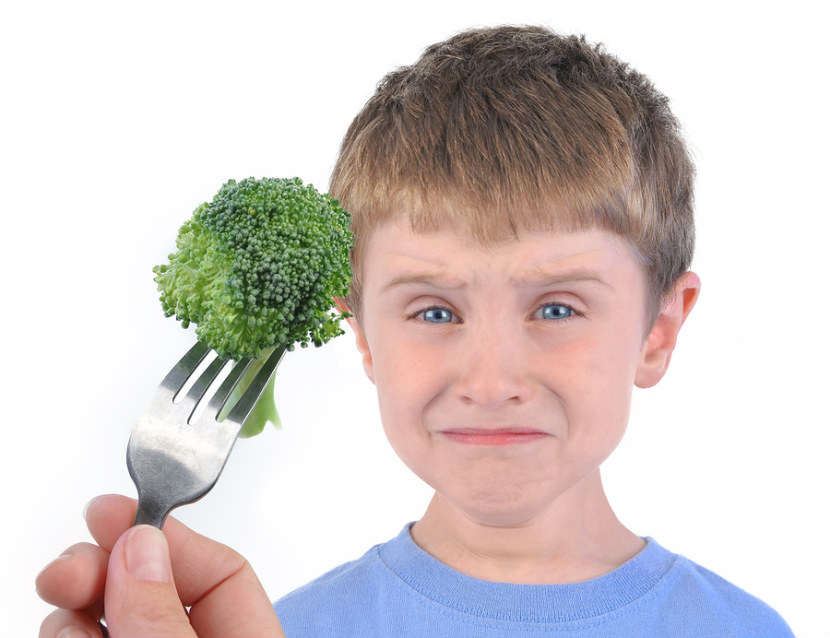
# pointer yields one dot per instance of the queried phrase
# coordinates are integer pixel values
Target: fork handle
(150, 513)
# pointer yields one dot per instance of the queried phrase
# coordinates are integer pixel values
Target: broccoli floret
(258, 268)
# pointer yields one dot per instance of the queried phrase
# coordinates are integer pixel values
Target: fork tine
(221, 395)
(246, 403)
(194, 395)
(172, 465)
(181, 372)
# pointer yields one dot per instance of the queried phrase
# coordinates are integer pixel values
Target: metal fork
(175, 457)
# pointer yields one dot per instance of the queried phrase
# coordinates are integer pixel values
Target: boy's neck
(578, 539)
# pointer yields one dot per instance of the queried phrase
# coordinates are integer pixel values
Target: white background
(118, 118)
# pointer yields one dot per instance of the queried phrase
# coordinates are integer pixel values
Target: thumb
(140, 597)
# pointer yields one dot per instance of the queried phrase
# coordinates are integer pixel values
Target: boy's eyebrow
(537, 278)
(433, 280)
(540, 277)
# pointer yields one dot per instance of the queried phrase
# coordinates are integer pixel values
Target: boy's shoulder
(397, 589)
(338, 603)
(733, 610)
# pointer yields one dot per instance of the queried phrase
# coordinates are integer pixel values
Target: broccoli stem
(265, 410)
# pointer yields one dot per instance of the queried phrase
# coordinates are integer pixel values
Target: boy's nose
(492, 372)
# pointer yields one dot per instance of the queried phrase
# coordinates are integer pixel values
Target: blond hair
(514, 128)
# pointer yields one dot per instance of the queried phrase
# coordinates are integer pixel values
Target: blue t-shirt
(396, 590)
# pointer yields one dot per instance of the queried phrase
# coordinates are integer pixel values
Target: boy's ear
(658, 348)
(363, 347)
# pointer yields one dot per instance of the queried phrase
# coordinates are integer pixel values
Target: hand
(145, 579)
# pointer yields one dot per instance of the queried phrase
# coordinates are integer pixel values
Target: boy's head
(511, 128)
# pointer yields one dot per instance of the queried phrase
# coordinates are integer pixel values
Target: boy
(522, 210)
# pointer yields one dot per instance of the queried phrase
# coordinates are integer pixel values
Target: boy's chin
(501, 508)
(499, 502)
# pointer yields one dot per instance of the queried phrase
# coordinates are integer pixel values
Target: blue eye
(437, 315)
(556, 311)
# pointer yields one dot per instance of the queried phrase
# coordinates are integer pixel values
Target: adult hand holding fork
(146, 579)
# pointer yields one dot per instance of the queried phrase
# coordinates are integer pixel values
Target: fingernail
(147, 555)
(86, 507)
(73, 631)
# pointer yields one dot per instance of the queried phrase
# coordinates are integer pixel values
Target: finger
(75, 579)
(141, 597)
(209, 576)
(195, 558)
(225, 594)
(236, 604)
(70, 624)
(108, 517)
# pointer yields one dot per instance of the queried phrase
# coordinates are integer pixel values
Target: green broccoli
(258, 268)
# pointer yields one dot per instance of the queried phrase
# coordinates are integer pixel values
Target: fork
(176, 454)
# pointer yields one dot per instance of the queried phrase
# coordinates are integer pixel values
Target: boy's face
(504, 374)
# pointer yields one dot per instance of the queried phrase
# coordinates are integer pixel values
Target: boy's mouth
(493, 436)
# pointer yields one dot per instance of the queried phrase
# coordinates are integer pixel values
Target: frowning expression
(504, 372)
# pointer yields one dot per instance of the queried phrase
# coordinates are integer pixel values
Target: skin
(504, 378)
(144, 579)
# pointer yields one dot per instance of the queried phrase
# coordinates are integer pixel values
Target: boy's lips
(493, 436)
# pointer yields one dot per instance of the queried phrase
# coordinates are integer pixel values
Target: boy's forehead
(527, 249)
